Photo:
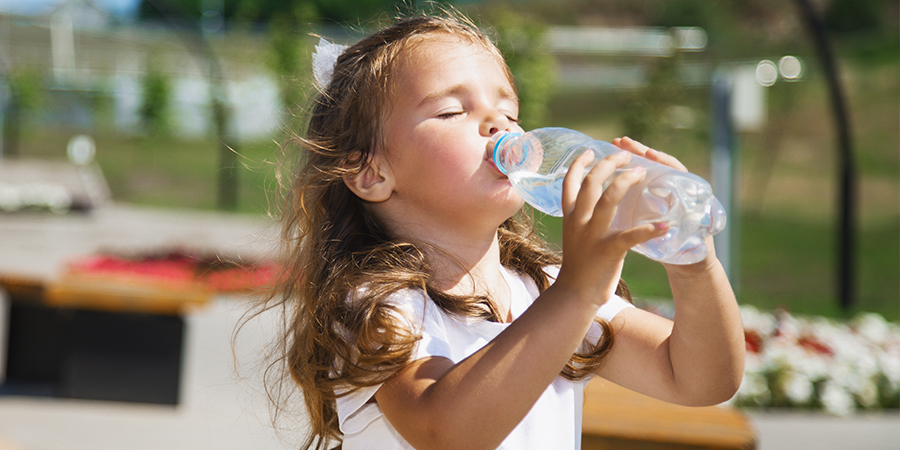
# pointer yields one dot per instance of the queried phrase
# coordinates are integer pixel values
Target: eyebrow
(505, 93)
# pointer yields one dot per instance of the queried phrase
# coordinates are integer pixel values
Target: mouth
(489, 158)
(489, 155)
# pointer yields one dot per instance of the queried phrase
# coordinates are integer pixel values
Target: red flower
(176, 267)
(814, 345)
(753, 341)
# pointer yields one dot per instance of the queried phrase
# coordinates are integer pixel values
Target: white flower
(797, 387)
(754, 388)
(788, 325)
(836, 400)
(845, 364)
(759, 322)
(889, 363)
(866, 392)
(872, 327)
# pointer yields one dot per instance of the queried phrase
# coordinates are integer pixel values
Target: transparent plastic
(537, 161)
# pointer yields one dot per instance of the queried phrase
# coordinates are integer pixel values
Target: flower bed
(180, 268)
(817, 363)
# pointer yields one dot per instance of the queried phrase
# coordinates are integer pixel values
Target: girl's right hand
(593, 255)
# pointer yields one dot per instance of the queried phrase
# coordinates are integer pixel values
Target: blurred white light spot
(766, 72)
(790, 68)
(691, 39)
(81, 150)
(665, 45)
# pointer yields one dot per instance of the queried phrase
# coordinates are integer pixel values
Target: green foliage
(643, 115)
(289, 62)
(521, 39)
(26, 89)
(855, 15)
(263, 11)
(155, 99)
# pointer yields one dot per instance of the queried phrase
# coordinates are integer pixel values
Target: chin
(510, 209)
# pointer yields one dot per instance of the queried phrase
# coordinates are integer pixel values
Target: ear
(374, 183)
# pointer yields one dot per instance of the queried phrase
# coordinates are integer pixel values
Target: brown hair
(339, 337)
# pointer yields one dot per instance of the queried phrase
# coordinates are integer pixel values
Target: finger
(572, 181)
(594, 184)
(606, 206)
(665, 159)
(626, 143)
(633, 146)
(642, 233)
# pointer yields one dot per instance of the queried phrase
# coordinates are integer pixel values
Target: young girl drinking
(422, 310)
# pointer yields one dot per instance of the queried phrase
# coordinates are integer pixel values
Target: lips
(489, 155)
(489, 158)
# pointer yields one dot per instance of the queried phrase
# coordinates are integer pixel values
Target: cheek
(447, 156)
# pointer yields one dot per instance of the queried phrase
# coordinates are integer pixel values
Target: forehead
(444, 58)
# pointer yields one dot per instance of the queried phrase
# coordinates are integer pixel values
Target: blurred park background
(187, 102)
(183, 107)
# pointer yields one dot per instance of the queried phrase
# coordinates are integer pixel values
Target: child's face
(450, 96)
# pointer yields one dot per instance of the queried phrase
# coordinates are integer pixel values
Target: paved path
(218, 410)
(798, 431)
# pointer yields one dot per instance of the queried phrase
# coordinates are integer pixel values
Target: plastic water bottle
(537, 161)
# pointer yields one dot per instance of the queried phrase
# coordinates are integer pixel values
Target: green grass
(169, 172)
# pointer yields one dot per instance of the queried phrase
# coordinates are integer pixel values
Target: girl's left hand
(633, 146)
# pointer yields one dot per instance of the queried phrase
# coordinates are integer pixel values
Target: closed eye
(450, 115)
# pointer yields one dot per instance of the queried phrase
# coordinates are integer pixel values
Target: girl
(422, 310)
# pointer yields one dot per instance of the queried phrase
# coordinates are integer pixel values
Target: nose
(494, 123)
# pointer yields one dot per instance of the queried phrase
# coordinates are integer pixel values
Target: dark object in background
(96, 355)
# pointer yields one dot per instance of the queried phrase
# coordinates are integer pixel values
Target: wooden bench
(110, 293)
(95, 338)
(620, 419)
(104, 337)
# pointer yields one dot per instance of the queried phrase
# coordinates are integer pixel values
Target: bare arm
(477, 402)
(698, 359)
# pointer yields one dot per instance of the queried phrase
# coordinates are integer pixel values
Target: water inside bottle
(540, 191)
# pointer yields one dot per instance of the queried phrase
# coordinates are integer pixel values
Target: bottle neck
(500, 143)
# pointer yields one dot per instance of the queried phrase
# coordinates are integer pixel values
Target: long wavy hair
(339, 337)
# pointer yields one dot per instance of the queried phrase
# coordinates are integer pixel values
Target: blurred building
(89, 59)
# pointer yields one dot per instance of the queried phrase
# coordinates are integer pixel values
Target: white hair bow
(323, 60)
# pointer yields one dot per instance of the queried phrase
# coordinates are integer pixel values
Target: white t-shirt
(553, 422)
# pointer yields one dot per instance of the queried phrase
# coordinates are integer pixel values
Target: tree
(155, 99)
(521, 39)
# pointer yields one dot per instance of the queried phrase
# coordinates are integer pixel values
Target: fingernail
(662, 225)
(639, 169)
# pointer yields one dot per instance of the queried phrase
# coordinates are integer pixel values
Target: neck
(462, 264)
